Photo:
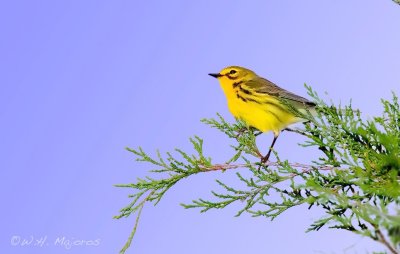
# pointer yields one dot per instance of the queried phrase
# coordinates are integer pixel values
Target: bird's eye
(232, 72)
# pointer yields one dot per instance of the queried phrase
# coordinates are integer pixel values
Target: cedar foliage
(354, 178)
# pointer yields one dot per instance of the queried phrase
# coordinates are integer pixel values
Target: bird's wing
(262, 85)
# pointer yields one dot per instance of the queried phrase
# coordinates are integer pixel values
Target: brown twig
(305, 168)
(382, 239)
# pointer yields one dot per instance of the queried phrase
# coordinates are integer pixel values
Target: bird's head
(233, 74)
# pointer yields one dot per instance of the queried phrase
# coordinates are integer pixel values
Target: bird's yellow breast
(262, 112)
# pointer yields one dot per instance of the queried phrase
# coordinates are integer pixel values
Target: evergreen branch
(130, 238)
(355, 178)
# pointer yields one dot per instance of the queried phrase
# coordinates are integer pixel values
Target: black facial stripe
(235, 84)
(230, 77)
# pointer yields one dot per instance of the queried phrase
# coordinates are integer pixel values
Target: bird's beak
(215, 75)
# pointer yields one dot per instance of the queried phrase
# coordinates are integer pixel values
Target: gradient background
(81, 80)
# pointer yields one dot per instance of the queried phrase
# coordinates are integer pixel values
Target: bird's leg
(257, 132)
(266, 157)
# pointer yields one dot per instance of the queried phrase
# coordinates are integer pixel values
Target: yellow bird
(259, 102)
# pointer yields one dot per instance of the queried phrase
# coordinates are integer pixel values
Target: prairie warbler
(259, 102)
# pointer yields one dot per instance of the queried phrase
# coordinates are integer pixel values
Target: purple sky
(81, 80)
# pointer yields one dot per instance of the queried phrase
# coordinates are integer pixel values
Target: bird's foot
(263, 161)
